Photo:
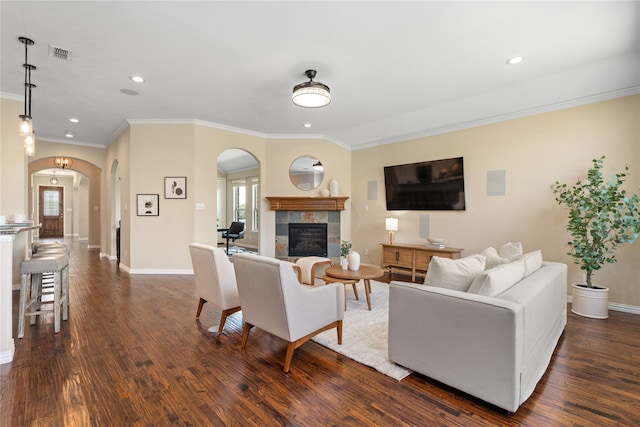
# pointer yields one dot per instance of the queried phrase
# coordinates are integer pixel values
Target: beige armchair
(273, 299)
(215, 280)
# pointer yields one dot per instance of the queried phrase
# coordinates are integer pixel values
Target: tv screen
(434, 185)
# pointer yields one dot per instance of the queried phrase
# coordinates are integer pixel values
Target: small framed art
(148, 205)
(175, 187)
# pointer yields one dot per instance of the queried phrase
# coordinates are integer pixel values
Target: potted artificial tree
(601, 217)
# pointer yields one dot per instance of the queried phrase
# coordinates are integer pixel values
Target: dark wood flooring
(132, 354)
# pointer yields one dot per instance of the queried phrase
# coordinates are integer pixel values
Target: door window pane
(51, 203)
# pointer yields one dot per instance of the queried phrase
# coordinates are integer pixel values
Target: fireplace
(307, 239)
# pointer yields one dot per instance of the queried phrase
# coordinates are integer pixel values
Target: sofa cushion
(495, 281)
(532, 262)
(454, 274)
(493, 258)
(511, 251)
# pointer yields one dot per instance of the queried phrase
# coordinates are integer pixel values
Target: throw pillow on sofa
(532, 261)
(493, 258)
(497, 280)
(511, 251)
(457, 274)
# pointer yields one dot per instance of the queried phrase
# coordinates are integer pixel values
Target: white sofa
(495, 348)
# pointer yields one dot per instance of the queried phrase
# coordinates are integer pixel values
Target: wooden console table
(413, 257)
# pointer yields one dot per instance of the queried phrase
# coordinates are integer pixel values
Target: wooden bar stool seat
(31, 289)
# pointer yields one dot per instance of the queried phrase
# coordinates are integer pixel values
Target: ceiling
(396, 70)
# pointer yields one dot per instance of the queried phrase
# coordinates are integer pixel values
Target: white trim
(634, 90)
(93, 246)
(156, 271)
(7, 356)
(124, 268)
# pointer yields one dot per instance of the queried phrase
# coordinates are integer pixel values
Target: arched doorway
(238, 194)
(92, 176)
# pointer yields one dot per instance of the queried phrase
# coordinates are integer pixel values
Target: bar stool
(31, 289)
(47, 246)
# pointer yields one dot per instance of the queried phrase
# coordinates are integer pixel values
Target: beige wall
(535, 151)
(118, 157)
(13, 163)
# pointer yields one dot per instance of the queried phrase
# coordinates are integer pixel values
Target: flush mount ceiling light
(311, 94)
(62, 162)
(69, 134)
(137, 79)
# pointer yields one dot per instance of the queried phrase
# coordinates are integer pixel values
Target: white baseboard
(7, 356)
(156, 271)
(124, 268)
(93, 246)
(81, 239)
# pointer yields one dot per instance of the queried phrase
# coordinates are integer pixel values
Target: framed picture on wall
(148, 205)
(175, 187)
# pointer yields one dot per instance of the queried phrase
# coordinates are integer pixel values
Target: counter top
(17, 227)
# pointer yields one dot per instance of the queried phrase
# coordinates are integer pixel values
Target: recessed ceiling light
(137, 79)
(515, 60)
(307, 125)
(74, 120)
(68, 134)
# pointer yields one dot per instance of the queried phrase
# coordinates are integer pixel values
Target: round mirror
(306, 172)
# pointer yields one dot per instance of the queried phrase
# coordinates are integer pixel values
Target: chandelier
(26, 120)
(311, 94)
(63, 162)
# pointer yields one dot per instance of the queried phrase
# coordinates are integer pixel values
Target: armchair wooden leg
(225, 314)
(287, 360)
(339, 330)
(245, 334)
(200, 305)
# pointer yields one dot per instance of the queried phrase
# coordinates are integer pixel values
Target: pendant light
(26, 120)
(54, 180)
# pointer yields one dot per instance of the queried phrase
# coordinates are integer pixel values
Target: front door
(51, 211)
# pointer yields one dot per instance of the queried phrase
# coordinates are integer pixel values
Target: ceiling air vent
(60, 52)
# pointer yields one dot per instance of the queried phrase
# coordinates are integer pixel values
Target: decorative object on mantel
(334, 188)
(325, 193)
(391, 225)
(295, 203)
(601, 217)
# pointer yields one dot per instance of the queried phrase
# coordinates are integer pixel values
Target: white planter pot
(590, 302)
(354, 261)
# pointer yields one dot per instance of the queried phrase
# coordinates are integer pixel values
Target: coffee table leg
(367, 291)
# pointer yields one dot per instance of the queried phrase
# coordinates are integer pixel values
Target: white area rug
(364, 332)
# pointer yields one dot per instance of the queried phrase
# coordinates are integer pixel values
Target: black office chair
(236, 231)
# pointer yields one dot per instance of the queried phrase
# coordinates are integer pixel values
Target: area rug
(364, 332)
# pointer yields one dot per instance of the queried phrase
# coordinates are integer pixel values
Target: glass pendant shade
(26, 128)
(54, 180)
(29, 150)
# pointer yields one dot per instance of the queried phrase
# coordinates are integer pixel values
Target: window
(51, 203)
(255, 203)
(239, 200)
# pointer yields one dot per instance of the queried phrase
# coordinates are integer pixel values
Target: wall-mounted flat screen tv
(433, 185)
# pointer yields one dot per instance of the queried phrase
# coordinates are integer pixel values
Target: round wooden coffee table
(365, 273)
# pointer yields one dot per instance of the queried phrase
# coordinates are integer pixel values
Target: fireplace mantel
(293, 203)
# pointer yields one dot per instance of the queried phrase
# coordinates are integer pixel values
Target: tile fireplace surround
(331, 218)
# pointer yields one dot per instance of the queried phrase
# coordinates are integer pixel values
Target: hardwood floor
(132, 354)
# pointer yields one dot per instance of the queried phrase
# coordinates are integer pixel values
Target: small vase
(334, 187)
(354, 261)
(344, 263)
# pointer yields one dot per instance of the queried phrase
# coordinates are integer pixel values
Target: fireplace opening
(307, 239)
